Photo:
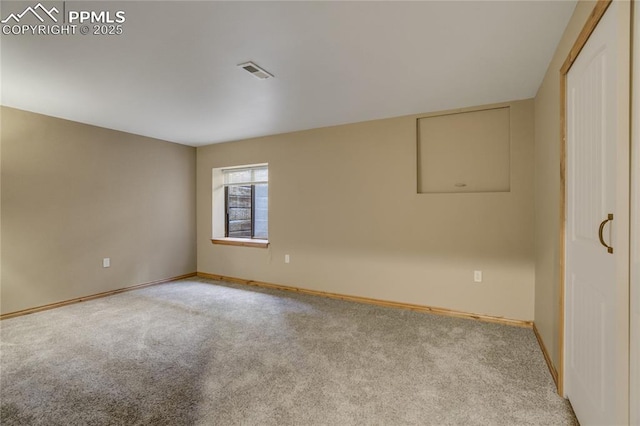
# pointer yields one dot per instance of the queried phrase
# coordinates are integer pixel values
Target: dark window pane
(239, 211)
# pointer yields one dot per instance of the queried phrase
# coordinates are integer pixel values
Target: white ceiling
(173, 75)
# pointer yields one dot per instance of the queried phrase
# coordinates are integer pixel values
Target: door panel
(588, 307)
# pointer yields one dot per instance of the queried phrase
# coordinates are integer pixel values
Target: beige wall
(634, 395)
(547, 187)
(343, 204)
(73, 194)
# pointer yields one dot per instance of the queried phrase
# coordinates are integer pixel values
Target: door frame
(622, 274)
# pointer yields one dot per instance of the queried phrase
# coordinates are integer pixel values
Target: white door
(592, 308)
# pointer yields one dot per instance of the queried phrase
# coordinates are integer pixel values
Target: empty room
(320, 212)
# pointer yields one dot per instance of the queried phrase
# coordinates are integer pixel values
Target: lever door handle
(604, 222)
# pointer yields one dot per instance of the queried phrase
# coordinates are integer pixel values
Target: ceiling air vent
(255, 70)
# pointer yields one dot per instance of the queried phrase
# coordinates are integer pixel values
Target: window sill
(241, 242)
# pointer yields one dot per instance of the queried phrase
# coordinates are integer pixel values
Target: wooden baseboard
(91, 297)
(547, 358)
(378, 302)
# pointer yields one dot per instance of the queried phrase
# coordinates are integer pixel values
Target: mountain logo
(33, 11)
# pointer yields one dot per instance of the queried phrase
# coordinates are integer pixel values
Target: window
(241, 205)
(246, 202)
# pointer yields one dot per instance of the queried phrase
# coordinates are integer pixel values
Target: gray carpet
(200, 352)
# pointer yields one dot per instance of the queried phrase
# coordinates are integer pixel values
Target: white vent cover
(255, 70)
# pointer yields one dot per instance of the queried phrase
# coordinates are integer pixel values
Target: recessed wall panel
(464, 152)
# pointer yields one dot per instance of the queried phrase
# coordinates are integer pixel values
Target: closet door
(596, 306)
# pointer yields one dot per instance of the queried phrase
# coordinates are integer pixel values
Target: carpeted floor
(200, 352)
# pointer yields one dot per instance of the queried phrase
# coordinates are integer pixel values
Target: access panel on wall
(464, 152)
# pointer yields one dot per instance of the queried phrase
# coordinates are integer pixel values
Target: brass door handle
(604, 222)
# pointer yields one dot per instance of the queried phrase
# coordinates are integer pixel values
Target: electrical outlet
(287, 258)
(106, 262)
(477, 276)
